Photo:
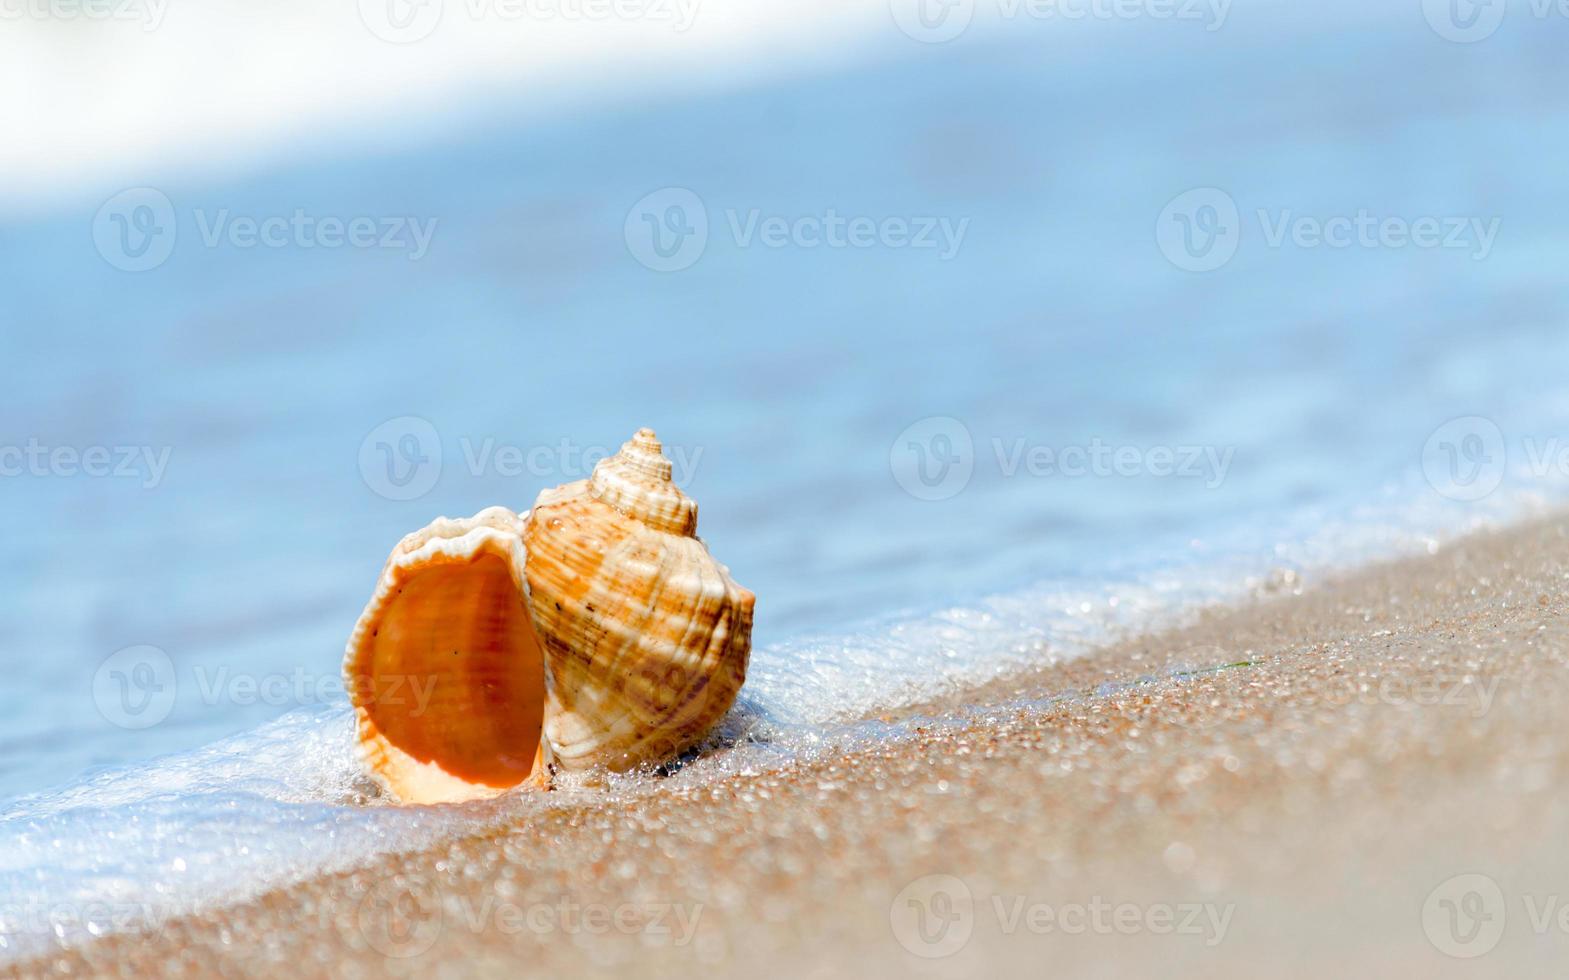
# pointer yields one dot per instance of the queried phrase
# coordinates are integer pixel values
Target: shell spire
(646, 635)
(636, 481)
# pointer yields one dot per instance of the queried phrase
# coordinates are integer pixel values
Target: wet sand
(1291, 787)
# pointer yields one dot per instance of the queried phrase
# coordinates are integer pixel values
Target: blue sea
(976, 355)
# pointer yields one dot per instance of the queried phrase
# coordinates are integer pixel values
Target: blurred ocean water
(933, 462)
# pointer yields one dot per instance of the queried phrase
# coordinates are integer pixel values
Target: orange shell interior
(452, 685)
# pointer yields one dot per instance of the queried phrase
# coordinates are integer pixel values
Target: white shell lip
(494, 529)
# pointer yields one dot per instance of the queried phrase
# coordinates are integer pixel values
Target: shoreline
(1297, 781)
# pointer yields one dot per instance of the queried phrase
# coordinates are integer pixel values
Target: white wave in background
(148, 91)
(174, 87)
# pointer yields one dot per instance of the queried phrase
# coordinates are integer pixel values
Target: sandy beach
(1362, 775)
(1141, 463)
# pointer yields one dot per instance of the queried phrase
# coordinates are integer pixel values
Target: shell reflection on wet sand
(593, 631)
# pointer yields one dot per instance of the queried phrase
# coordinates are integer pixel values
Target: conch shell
(645, 633)
(594, 630)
